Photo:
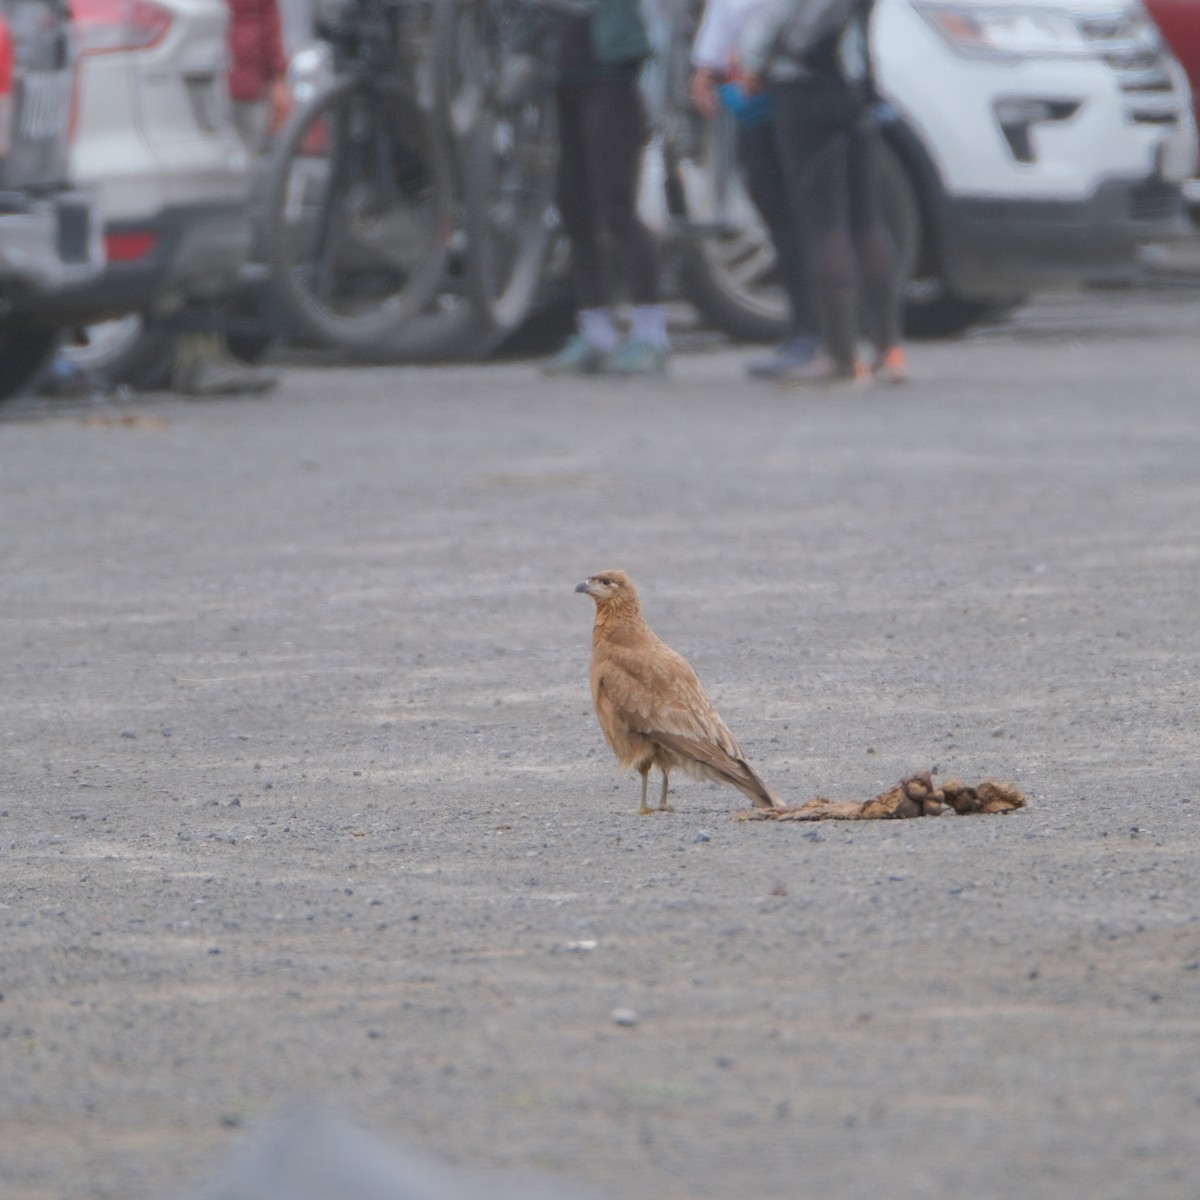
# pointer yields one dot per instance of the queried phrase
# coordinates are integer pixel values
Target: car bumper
(161, 264)
(1007, 245)
(47, 245)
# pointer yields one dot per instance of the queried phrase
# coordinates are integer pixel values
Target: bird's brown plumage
(651, 707)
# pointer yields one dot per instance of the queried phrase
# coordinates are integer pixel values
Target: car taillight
(7, 109)
(129, 246)
(108, 26)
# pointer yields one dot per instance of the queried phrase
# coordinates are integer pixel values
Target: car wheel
(24, 350)
(127, 350)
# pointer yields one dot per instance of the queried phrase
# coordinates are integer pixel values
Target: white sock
(596, 324)
(649, 324)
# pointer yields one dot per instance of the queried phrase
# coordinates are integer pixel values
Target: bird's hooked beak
(604, 585)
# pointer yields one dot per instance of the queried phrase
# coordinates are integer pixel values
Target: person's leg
(813, 147)
(767, 188)
(591, 274)
(876, 251)
(617, 133)
(590, 270)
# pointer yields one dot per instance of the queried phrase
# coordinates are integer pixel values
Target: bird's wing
(654, 691)
(716, 764)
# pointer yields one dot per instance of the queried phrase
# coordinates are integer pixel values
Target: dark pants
(602, 131)
(767, 185)
(828, 143)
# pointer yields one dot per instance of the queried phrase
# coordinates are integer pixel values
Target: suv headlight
(1006, 31)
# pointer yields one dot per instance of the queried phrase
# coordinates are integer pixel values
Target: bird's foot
(665, 807)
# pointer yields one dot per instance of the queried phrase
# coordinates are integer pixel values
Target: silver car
(48, 238)
(156, 141)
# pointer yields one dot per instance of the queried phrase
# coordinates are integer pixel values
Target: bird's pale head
(605, 587)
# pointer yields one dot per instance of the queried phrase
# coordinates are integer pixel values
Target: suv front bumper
(1003, 244)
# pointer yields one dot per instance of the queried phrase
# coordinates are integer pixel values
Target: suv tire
(24, 350)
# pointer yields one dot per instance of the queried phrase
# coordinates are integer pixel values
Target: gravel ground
(302, 797)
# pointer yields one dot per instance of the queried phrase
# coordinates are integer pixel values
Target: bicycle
(358, 192)
(494, 84)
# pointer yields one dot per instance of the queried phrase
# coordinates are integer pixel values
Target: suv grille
(1131, 46)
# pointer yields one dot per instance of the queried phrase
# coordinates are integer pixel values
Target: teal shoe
(577, 357)
(635, 357)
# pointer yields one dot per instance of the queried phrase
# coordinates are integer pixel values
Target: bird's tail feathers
(702, 759)
(756, 788)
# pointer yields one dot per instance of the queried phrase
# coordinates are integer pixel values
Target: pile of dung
(915, 796)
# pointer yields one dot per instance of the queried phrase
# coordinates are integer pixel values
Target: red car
(1179, 23)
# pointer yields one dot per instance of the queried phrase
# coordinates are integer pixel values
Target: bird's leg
(645, 773)
(663, 806)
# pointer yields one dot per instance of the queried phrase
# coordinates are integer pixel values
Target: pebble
(624, 1016)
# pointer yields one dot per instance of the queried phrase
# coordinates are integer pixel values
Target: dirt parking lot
(302, 798)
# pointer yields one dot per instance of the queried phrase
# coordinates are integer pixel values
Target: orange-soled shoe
(891, 366)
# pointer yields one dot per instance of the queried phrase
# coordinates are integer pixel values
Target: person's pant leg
(768, 191)
(617, 131)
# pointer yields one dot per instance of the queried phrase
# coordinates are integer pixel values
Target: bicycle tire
(358, 198)
(510, 192)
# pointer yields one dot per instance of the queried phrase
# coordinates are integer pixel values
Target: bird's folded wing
(658, 695)
(728, 764)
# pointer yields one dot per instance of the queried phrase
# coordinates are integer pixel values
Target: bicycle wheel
(510, 191)
(358, 197)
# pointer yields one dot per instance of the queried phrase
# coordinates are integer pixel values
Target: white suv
(48, 241)
(1029, 142)
(155, 139)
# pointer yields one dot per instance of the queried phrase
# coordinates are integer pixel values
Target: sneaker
(635, 357)
(578, 357)
(821, 369)
(226, 377)
(891, 366)
(787, 356)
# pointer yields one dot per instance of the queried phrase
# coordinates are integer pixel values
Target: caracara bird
(651, 707)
